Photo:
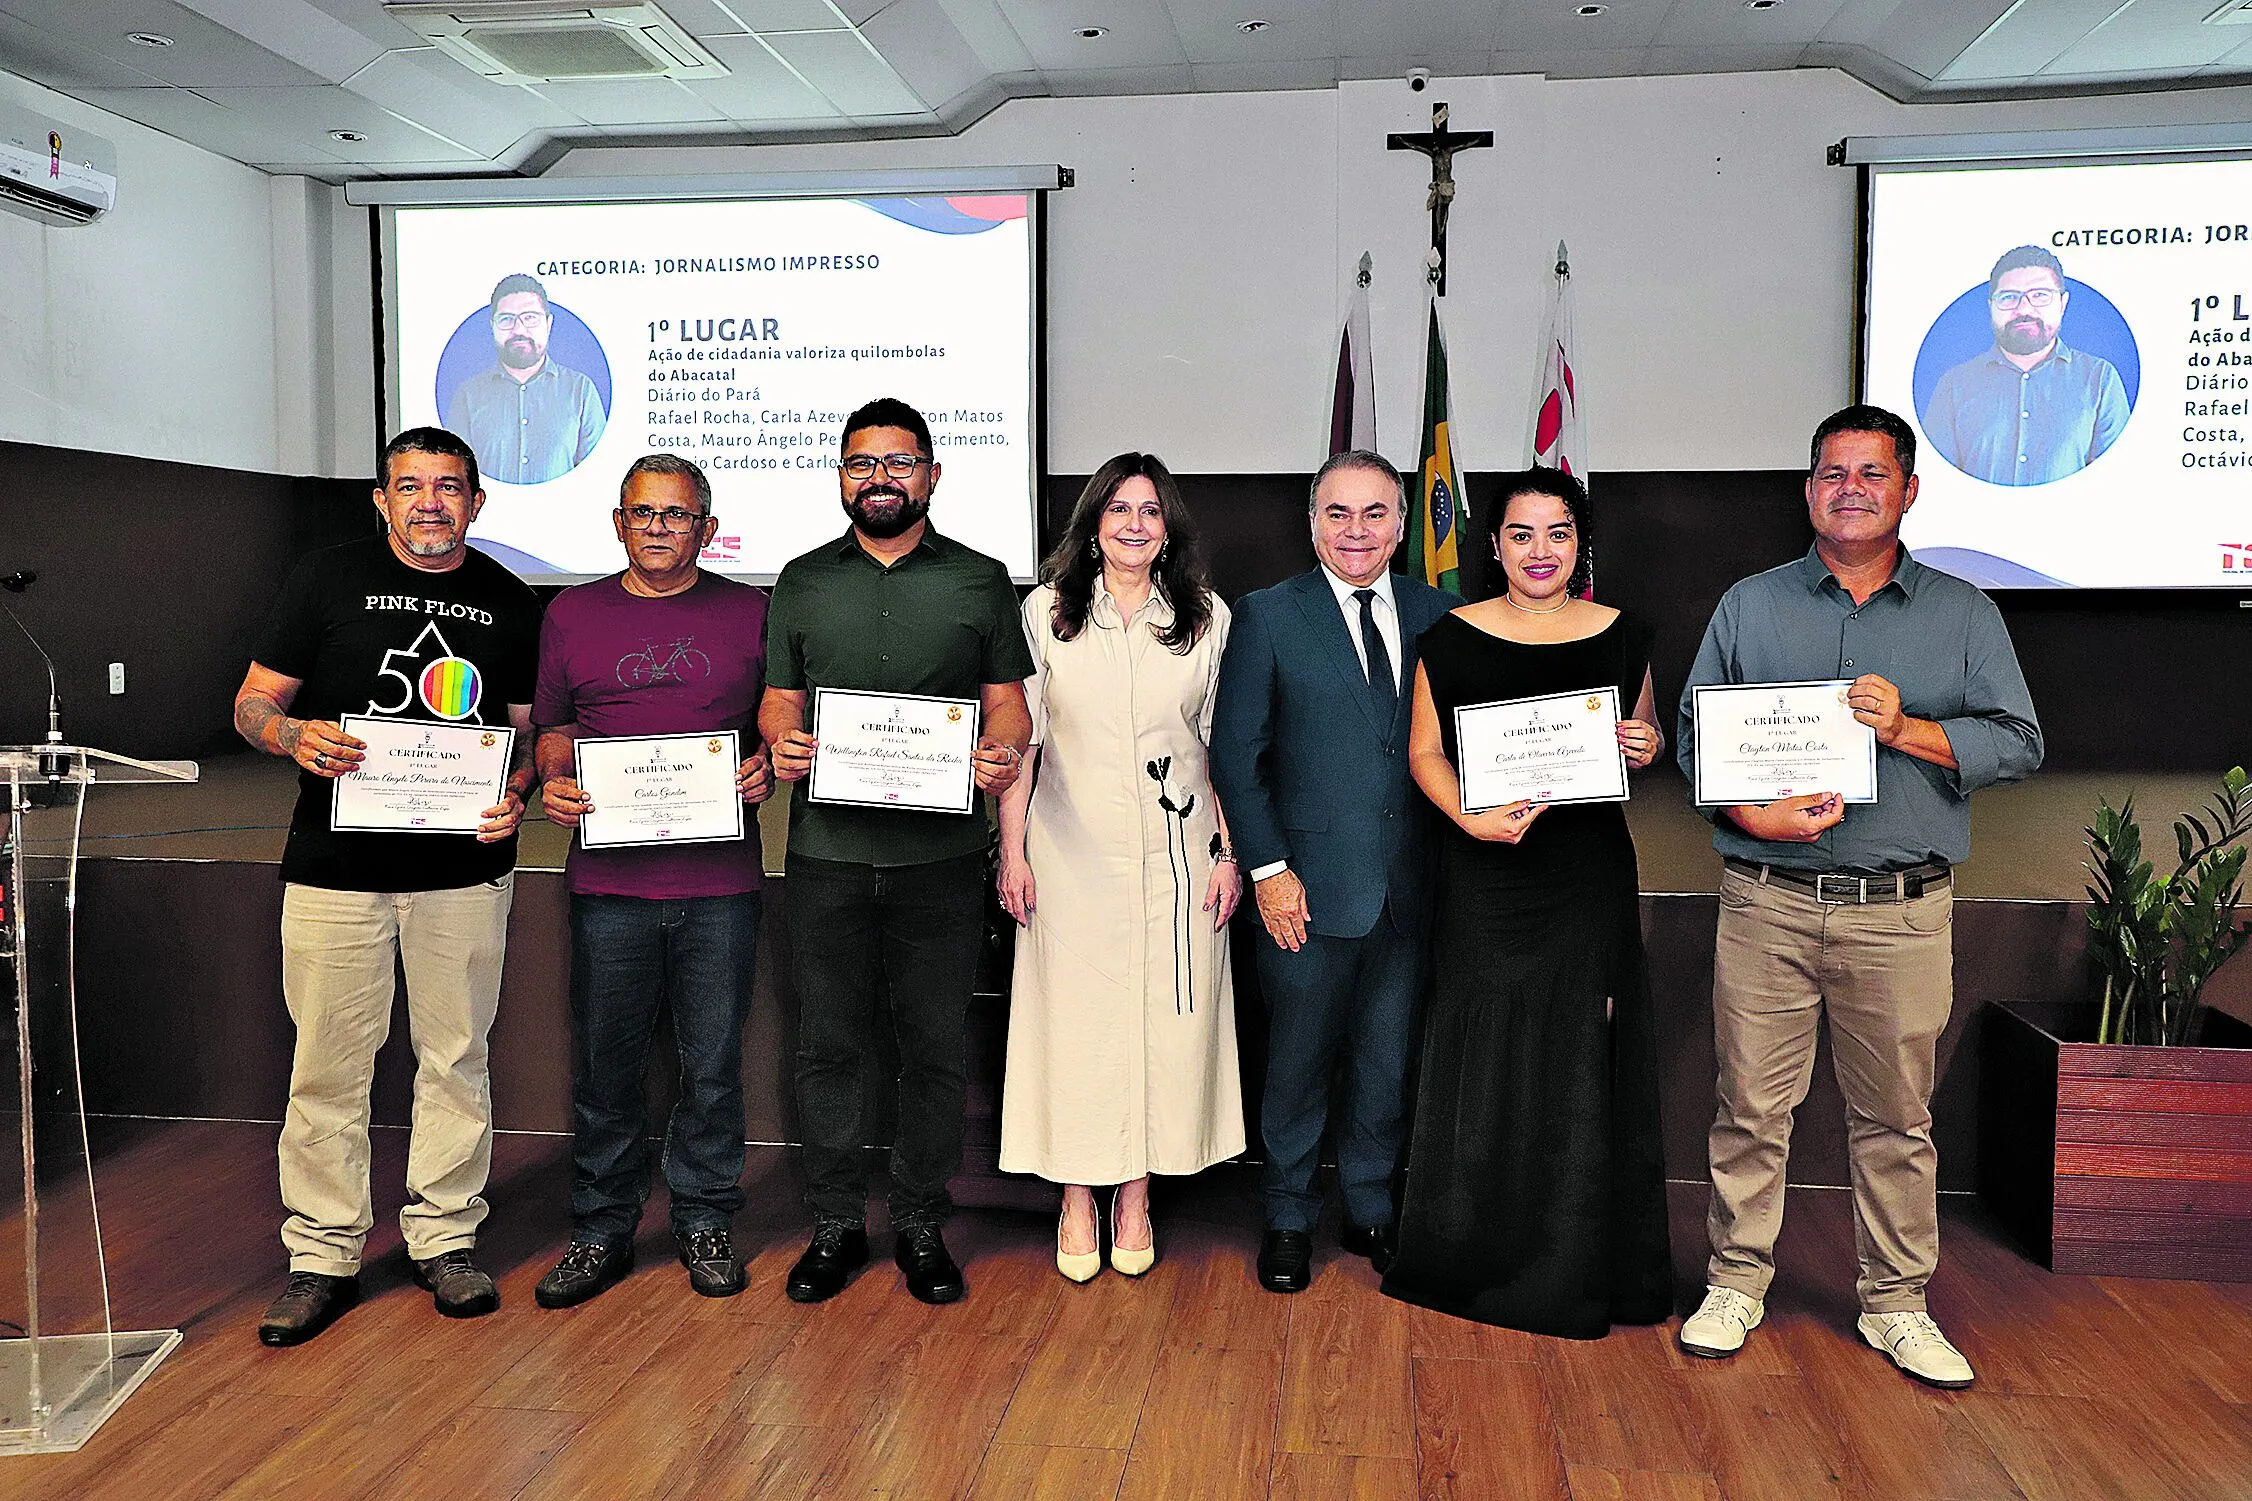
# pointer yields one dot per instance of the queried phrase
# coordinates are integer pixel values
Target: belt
(1852, 888)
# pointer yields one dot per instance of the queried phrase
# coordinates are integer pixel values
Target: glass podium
(64, 1366)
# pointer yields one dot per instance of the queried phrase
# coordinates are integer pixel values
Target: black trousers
(868, 943)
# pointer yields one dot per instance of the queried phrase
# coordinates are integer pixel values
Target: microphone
(17, 583)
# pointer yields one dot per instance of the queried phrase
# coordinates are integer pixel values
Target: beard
(2024, 336)
(423, 542)
(519, 353)
(884, 511)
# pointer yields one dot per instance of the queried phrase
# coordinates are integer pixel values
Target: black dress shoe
(310, 1303)
(1376, 1242)
(838, 1250)
(456, 1286)
(709, 1255)
(1286, 1261)
(587, 1270)
(931, 1273)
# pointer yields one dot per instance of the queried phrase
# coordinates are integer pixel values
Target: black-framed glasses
(675, 518)
(2040, 299)
(897, 465)
(508, 323)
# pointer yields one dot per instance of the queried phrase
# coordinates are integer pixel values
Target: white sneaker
(1717, 1329)
(1917, 1347)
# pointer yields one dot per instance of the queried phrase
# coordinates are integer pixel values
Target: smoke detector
(553, 41)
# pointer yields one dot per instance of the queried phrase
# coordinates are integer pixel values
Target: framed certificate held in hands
(893, 750)
(421, 776)
(1555, 748)
(1763, 742)
(659, 789)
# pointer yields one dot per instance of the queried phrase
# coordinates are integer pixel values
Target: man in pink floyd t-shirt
(662, 648)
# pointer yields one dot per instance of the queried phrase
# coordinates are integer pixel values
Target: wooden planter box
(2117, 1161)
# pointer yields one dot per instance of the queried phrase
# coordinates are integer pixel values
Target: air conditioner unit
(53, 172)
(557, 41)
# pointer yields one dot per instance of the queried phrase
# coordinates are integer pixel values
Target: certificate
(1763, 742)
(893, 750)
(421, 776)
(1555, 748)
(659, 789)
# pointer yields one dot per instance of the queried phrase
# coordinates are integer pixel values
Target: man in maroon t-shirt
(660, 649)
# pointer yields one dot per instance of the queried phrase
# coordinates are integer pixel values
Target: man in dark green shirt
(887, 905)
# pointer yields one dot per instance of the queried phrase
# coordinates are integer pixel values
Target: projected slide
(564, 341)
(2074, 346)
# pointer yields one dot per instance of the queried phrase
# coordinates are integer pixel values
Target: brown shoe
(456, 1286)
(310, 1303)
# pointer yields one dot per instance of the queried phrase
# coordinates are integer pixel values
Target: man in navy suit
(1309, 758)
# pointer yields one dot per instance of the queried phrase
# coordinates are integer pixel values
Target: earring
(1163, 548)
(1095, 548)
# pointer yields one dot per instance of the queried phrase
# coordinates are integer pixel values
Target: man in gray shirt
(529, 419)
(1849, 911)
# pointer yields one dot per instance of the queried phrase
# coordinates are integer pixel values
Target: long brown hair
(1072, 565)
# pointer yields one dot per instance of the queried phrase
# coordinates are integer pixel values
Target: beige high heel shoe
(1130, 1263)
(1078, 1268)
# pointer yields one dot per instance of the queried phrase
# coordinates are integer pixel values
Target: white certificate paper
(421, 776)
(1555, 748)
(1763, 742)
(893, 750)
(659, 789)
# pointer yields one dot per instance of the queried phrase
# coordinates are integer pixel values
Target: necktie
(1380, 681)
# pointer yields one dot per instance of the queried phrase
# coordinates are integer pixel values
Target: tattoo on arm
(255, 713)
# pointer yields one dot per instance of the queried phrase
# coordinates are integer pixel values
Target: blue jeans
(628, 956)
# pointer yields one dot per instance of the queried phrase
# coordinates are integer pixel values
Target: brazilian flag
(1436, 508)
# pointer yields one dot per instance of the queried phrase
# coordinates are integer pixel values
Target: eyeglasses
(675, 518)
(897, 465)
(504, 323)
(2039, 299)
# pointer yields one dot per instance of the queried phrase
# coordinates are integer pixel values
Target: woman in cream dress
(1115, 859)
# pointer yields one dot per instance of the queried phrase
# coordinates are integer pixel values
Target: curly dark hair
(1072, 565)
(1542, 480)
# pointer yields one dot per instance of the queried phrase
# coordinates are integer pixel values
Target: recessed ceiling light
(348, 137)
(1593, 10)
(1089, 33)
(1761, 4)
(1248, 28)
(149, 38)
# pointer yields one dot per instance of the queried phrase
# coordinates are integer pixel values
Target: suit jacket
(1306, 768)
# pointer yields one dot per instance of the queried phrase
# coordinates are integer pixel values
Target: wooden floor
(1189, 1383)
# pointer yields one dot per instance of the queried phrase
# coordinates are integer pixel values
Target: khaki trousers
(339, 949)
(1884, 973)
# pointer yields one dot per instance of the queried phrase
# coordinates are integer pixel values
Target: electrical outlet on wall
(117, 677)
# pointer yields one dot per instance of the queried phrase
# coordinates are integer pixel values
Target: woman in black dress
(1535, 1186)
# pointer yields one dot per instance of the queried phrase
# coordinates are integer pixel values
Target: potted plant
(2115, 1135)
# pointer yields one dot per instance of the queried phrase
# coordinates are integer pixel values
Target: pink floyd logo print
(425, 677)
(664, 662)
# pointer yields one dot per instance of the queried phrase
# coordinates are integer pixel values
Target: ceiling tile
(1588, 62)
(202, 52)
(67, 66)
(371, 20)
(1924, 36)
(1431, 29)
(200, 122)
(847, 71)
(652, 101)
(1276, 73)
(2147, 36)
(990, 36)
(308, 114)
(759, 88)
(917, 39)
(770, 15)
(296, 30)
(1529, 26)
(1141, 34)
(439, 94)
(1296, 30)
(1742, 59)
(1726, 23)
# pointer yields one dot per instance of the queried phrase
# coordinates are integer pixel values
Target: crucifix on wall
(1440, 144)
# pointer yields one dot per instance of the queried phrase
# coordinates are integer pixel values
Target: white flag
(1352, 402)
(1558, 438)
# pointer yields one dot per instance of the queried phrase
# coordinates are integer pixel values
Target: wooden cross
(1440, 144)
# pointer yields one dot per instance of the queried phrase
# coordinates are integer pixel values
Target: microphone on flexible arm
(50, 766)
